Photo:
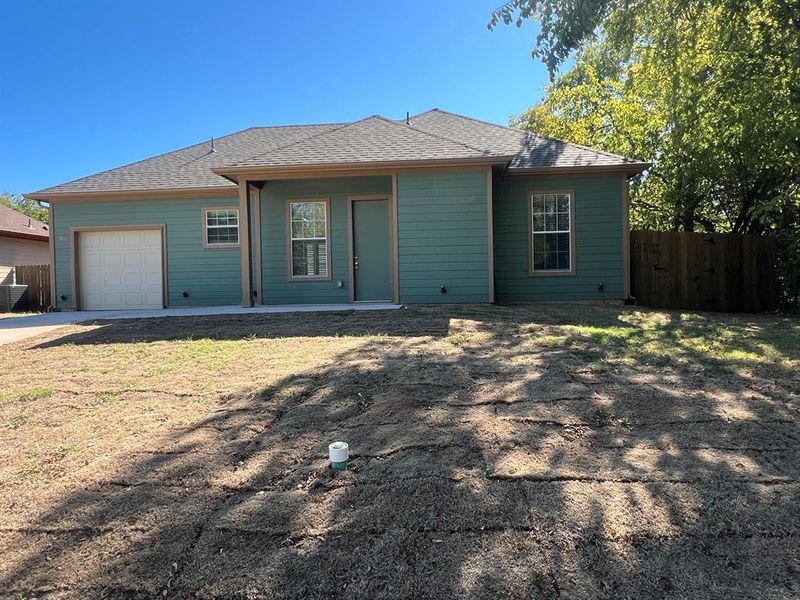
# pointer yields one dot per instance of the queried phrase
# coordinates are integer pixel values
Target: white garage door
(120, 269)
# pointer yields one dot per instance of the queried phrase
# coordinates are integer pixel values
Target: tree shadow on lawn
(256, 326)
(483, 465)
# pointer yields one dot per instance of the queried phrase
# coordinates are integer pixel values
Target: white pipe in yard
(338, 453)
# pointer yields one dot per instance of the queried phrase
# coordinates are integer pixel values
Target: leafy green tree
(24, 205)
(706, 90)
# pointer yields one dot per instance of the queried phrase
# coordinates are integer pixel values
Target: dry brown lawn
(523, 452)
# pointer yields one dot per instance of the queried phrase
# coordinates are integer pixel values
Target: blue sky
(87, 86)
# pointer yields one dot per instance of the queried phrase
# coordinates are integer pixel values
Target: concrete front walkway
(14, 329)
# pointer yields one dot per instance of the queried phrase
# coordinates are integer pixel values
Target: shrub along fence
(704, 271)
(37, 296)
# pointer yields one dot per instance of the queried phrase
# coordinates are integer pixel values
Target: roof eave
(189, 192)
(629, 169)
(34, 237)
(267, 171)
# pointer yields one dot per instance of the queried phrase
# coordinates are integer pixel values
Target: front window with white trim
(222, 226)
(308, 222)
(551, 232)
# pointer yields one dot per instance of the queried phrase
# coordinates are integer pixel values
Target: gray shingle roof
(371, 140)
(530, 150)
(191, 167)
(432, 135)
(13, 223)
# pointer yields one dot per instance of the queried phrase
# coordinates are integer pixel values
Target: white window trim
(532, 272)
(206, 227)
(290, 238)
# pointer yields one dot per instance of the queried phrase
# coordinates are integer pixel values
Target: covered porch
(323, 240)
(411, 235)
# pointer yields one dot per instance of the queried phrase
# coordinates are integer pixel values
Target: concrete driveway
(14, 329)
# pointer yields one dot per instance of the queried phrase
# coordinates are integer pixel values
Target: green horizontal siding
(598, 231)
(443, 236)
(277, 288)
(210, 276)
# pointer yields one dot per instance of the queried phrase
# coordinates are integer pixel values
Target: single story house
(434, 208)
(23, 241)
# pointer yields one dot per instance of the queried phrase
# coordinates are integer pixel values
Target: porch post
(255, 243)
(244, 242)
(395, 250)
(490, 231)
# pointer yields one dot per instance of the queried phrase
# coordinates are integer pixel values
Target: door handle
(355, 263)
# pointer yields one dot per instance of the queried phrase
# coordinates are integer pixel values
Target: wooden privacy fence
(704, 271)
(37, 296)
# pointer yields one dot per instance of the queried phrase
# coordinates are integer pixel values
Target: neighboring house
(435, 208)
(23, 241)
